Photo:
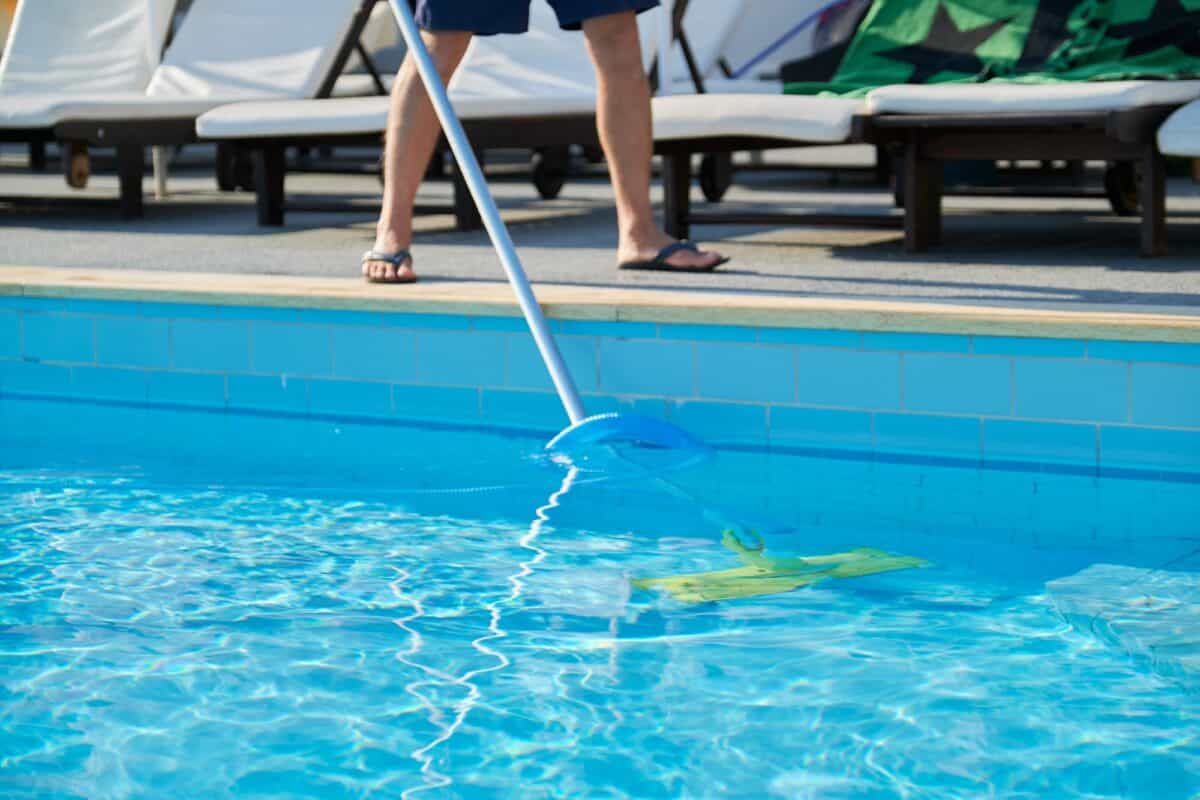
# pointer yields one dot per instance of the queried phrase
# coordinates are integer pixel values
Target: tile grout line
(1129, 392)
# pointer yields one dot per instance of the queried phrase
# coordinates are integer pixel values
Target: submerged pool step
(1151, 614)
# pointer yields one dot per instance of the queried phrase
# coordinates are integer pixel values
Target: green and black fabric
(1032, 41)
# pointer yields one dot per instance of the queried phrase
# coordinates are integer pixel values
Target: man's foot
(667, 255)
(388, 266)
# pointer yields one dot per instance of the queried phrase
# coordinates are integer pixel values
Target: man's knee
(447, 49)
(614, 42)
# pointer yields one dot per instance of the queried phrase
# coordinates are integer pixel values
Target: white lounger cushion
(531, 74)
(802, 119)
(817, 120)
(284, 118)
(1015, 98)
(729, 86)
(708, 25)
(272, 55)
(359, 115)
(1180, 134)
(251, 49)
(545, 72)
(61, 46)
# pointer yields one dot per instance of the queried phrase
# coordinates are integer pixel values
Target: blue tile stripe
(992, 400)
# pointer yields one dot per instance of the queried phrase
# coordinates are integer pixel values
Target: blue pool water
(205, 605)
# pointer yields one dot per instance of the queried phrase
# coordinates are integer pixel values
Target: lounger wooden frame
(551, 132)
(678, 216)
(926, 141)
(131, 137)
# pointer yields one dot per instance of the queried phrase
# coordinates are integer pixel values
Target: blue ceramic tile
(110, 383)
(284, 349)
(614, 330)
(539, 410)
(1021, 346)
(112, 308)
(1151, 352)
(1040, 442)
(526, 370)
(133, 342)
(23, 303)
(322, 316)
(708, 333)
(500, 324)
(179, 310)
(917, 342)
(819, 427)
(259, 313)
(851, 340)
(187, 388)
(268, 392)
(1149, 448)
(212, 345)
(610, 404)
(1071, 390)
(1167, 396)
(435, 402)
(926, 435)
(721, 423)
(449, 322)
(645, 367)
(447, 358)
(31, 378)
(848, 378)
(10, 334)
(375, 354)
(756, 373)
(957, 384)
(57, 337)
(350, 397)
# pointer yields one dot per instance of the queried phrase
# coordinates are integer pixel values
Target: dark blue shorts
(512, 16)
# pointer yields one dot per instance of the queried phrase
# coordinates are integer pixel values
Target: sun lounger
(1114, 121)
(60, 49)
(1180, 134)
(226, 51)
(531, 92)
(686, 125)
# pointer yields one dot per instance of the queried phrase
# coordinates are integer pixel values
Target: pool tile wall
(993, 400)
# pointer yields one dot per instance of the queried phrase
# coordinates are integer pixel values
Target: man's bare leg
(623, 116)
(412, 135)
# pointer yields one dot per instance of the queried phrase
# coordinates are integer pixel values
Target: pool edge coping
(598, 303)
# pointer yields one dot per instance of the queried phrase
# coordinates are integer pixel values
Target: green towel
(1026, 41)
(764, 575)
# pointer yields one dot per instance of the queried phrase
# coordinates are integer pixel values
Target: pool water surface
(211, 605)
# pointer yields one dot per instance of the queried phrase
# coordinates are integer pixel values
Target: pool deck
(1010, 266)
(599, 304)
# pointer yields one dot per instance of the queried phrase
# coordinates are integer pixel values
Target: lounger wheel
(716, 176)
(550, 167)
(235, 169)
(1121, 184)
(77, 165)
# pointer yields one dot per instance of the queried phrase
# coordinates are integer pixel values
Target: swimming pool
(199, 604)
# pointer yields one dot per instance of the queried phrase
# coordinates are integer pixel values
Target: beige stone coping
(600, 303)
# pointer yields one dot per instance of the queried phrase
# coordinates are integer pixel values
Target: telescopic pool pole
(497, 231)
(602, 428)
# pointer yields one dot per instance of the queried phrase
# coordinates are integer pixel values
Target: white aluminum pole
(496, 228)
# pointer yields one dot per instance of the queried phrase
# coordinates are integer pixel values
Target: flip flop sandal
(659, 262)
(396, 259)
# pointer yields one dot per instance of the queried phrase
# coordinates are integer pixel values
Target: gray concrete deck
(1008, 251)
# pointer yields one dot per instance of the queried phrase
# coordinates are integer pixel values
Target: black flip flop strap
(675, 247)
